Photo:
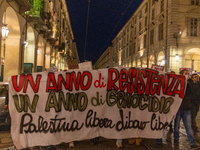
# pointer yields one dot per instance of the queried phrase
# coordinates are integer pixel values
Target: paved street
(109, 144)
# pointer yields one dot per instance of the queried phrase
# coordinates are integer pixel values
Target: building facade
(105, 60)
(40, 36)
(162, 32)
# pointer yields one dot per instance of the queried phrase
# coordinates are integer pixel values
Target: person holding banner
(71, 144)
(94, 141)
(119, 143)
(137, 141)
(184, 113)
(159, 141)
(170, 125)
(195, 99)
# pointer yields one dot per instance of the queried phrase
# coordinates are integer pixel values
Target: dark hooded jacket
(186, 102)
(195, 93)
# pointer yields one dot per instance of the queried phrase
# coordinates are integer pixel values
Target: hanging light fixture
(5, 31)
(163, 62)
(177, 57)
(25, 43)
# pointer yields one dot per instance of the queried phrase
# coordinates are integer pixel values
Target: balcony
(51, 40)
(25, 5)
(41, 20)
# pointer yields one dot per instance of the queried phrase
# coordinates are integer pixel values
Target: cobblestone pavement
(109, 144)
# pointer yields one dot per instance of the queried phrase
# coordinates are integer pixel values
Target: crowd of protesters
(187, 112)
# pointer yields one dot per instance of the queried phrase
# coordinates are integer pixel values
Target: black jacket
(186, 102)
(194, 93)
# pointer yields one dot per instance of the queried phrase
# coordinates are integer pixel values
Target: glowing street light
(25, 43)
(163, 62)
(4, 31)
(177, 57)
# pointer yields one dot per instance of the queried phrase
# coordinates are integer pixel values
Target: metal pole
(148, 33)
(4, 50)
(166, 38)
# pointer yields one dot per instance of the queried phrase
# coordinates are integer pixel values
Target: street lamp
(177, 57)
(25, 43)
(163, 62)
(4, 31)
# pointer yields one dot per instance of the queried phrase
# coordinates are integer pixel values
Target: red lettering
(130, 84)
(169, 91)
(62, 81)
(75, 80)
(110, 79)
(155, 79)
(123, 78)
(181, 80)
(88, 74)
(150, 72)
(163, 83)
(30, 79)
(136, 80)
(141, 84)
(51, 79)
(14, 81)
(99, 84)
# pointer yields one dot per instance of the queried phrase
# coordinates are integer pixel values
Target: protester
(94, 141)
(184, 114)
(195, 99)
(137, 141)
(159, 141)
(172, 72)
(119, 143)
(6, 97)
(170, 125)
(50, 147)
(71, 144)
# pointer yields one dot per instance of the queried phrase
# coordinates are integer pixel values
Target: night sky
(106, 19)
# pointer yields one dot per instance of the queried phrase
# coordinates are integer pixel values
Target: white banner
(116, 103)
(85, 65)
